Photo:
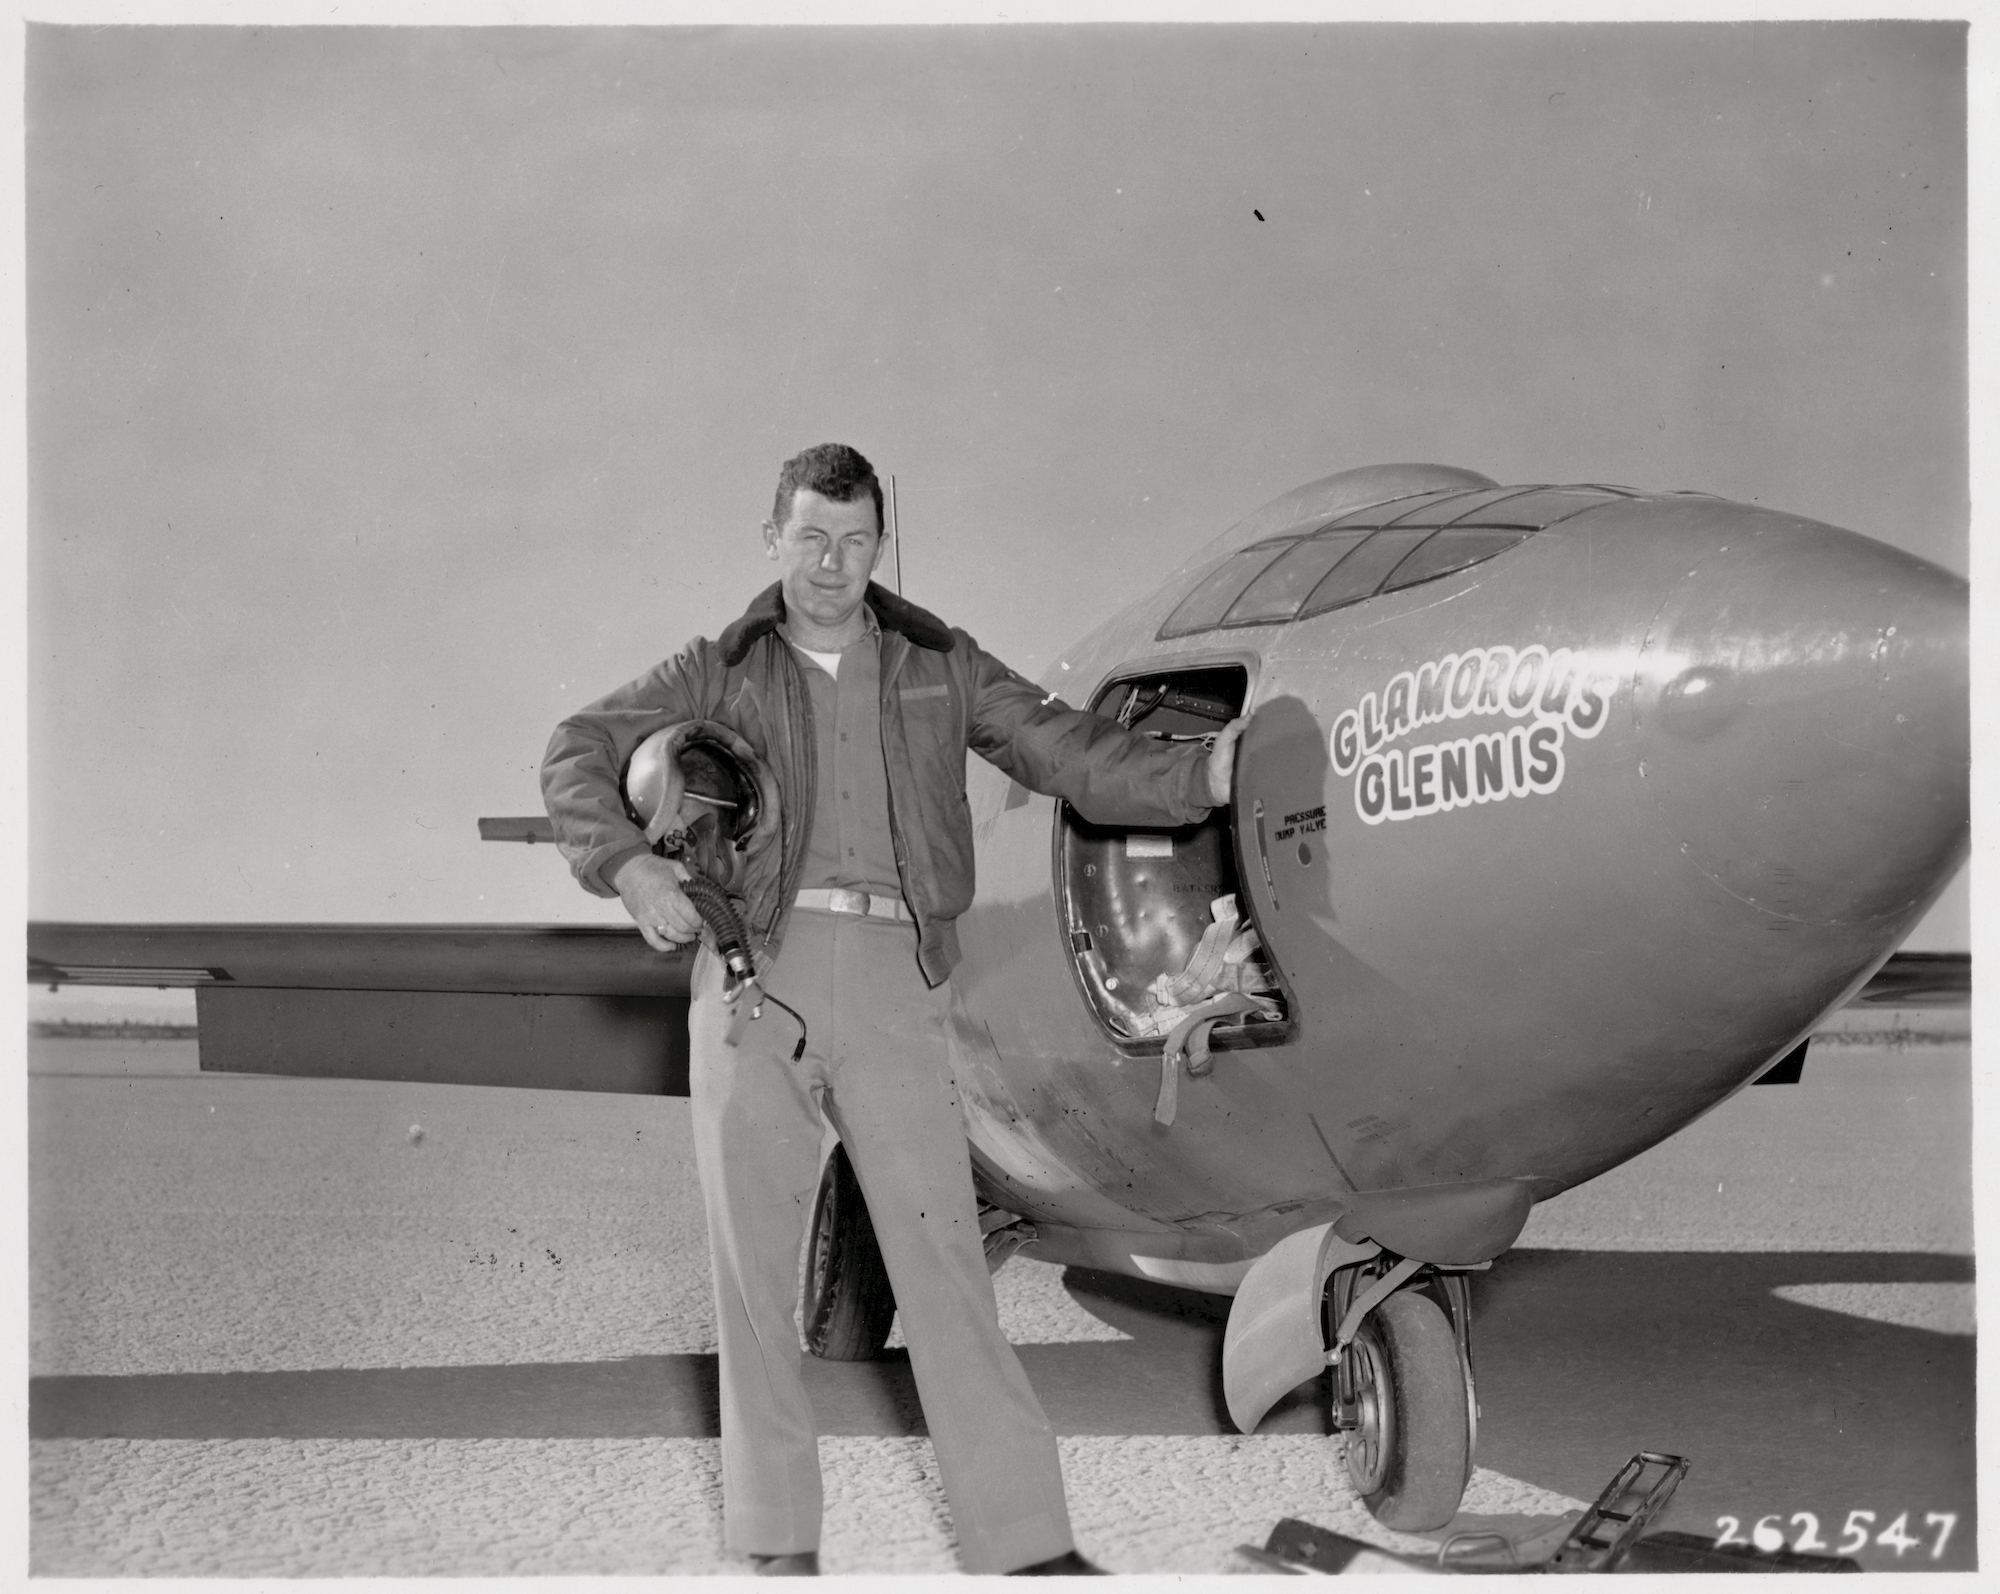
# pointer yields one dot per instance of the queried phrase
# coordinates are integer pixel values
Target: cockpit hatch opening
(1156, 921)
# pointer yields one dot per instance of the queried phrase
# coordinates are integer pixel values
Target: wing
(1919, 979)
(539, 1006)
(544, 1007)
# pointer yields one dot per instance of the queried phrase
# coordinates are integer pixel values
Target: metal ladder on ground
(1633, 1497)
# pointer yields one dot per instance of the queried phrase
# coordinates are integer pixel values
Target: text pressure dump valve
(741, 988)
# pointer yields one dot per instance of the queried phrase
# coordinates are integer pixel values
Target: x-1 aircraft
(1563, 813)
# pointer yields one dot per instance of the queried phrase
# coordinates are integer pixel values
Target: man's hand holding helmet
(650, 888)
(702, 798)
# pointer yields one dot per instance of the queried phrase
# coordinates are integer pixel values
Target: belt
(833, 899)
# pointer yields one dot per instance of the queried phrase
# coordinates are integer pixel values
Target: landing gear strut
(1403, 1395)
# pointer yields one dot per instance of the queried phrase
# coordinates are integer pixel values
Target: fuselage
(1550, 853)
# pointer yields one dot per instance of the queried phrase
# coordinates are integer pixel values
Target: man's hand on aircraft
(1222, 760)
(650, 888)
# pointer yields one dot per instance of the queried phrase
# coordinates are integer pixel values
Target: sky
(394, 391)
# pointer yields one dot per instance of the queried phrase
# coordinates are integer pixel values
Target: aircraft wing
(540, 1006)
(1919, 979)
(548, 1007)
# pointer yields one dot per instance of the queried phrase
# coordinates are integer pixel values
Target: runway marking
(1941, 1308)
(510, 1507)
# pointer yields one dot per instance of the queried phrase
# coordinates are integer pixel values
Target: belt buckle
(841, 900)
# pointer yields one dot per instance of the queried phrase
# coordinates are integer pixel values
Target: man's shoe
(802, 1563)
(1068, 1564)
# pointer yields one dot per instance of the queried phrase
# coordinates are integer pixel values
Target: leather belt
(833, 899)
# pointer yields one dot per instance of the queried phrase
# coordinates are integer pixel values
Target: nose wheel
(1403, 1397)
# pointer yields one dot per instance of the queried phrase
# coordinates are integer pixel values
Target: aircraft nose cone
(1802, 704)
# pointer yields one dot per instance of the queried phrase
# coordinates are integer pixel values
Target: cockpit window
(1278, 592)
(1432, 509)
(1381, 548)
(1361, 572)
(1422, 509)
(1451, 549)
(1538, 508)
(1203, 607)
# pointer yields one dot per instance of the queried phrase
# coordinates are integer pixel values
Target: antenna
(896, 533)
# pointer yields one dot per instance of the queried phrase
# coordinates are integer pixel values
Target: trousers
(876, 1067)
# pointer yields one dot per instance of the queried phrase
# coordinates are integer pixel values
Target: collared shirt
(850, 846)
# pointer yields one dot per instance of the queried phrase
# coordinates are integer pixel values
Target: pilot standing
(863, 707)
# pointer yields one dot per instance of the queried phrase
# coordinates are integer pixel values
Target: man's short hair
(834, 471)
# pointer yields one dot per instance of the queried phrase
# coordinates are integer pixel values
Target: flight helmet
(702, 796)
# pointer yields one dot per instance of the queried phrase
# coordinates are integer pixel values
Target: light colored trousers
(877, 1068)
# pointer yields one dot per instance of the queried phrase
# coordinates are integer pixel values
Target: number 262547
(1769, 1535)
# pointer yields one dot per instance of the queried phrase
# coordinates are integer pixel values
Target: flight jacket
(941, 694)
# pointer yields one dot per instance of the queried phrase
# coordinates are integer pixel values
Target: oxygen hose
(719, 914)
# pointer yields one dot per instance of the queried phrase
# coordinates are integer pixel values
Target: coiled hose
(719, 914)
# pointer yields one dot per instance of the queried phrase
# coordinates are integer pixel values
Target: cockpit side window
(1203, 608)
(1278, 592)
(1453, 548)
(1381, 548)
(1361, 572)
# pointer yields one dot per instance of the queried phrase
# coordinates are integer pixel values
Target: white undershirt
(829, 662)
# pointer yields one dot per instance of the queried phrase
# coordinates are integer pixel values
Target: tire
(849, 1305)
(1411, 1454)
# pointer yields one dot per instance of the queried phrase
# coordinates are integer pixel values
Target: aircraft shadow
(1583, 1358)
(1781, 1408)
(1166, 1379)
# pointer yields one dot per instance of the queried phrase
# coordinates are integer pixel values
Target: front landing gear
(1402, 1394)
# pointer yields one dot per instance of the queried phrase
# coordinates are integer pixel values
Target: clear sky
(394, 391)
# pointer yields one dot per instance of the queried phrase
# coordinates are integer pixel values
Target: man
(863, 707)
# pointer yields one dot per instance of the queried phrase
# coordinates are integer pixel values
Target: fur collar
(767, 612)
